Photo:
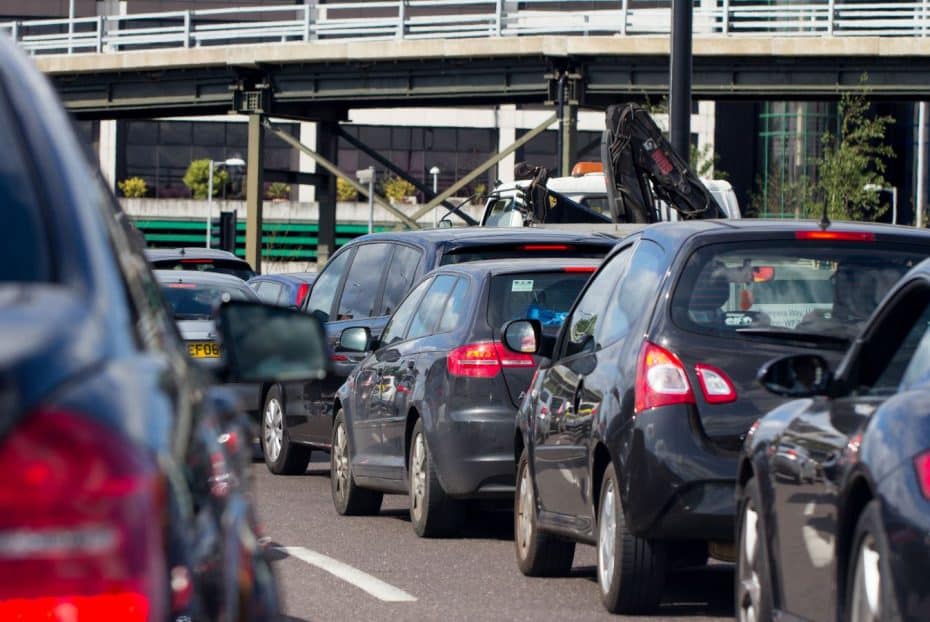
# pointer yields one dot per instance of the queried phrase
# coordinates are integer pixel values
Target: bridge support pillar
(568, 137)
(254, 191)
(327, 145)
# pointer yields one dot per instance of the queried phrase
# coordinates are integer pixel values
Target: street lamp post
(894, 198)
(435, 173)
(367, 176)
(213, 163)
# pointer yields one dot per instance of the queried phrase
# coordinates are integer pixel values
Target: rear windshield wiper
(794, 335)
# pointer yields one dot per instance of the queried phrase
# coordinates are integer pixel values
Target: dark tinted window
(24, 253)
(360, 292)
(399, 277)
(455, 311)
(788, 287)
(586, 317)
(636, 295)
(323, 293)
(238, 269)
(910, 364)
(544, 296)
(427, 316)
(523, 249)
(397, 326)
(190, 301)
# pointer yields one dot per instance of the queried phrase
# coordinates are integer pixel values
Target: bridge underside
(315, 82)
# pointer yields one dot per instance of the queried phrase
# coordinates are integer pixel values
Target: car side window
(397, 326)
(635, 295)
(910, 363)
(320, 302)
(268, 291)
(426, 318)
(363, 284)
(583, 324)
(454, 313)
(399, 277)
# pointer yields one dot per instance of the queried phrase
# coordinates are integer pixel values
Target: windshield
(192, 301)
(503, 212)
(788, 288)
(543, 296)
(238, 269)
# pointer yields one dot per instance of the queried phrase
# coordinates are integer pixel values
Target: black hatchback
(632, 433)
(431, 410)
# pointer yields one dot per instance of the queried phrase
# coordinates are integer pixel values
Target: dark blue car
(286, 289)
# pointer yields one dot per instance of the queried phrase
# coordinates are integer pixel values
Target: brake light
(302, 290)
(660, 379)
(546, 247)
(922, 464)
(80, 528)
(579, 269)
(196, 261)
(485, 359)
(716, 386)
(841, 236)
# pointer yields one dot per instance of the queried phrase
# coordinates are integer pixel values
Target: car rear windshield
(192, 301)
(544, 296)
(523, 249)
(238, 269)
(792, 288)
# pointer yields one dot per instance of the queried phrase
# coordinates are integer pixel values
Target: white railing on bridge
(454, 19)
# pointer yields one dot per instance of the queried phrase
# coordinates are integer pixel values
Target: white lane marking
(362, 580)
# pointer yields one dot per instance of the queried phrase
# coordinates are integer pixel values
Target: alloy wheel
(273, 425)
(607, 538)
(525, 508)
(341, 462)
(418, 477)
(867, 584)
(750, 585)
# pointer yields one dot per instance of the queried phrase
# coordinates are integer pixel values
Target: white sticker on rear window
(522, 285)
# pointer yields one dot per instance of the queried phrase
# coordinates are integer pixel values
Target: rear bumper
(678, 486)
(473, 452)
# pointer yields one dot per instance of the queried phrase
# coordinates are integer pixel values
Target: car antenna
(824, 220)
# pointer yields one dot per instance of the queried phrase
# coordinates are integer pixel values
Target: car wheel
(432, 512)
(630, 569)
(868, 580)
(348, 498)
(538, 554)
(281, 455)
(753, 580)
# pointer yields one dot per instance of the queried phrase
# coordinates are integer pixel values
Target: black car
(845, 534)
(632, 434)
(361, 285)
(431, 410)
(124, 493)
(201, 259)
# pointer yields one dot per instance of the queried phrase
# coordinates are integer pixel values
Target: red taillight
(842, 236)
(660, 379)
(579, 269)
(922, 464)
(302, 290)
(715, 385)
(196, 261)
(80, 524)
(484, 359)
(546, 247)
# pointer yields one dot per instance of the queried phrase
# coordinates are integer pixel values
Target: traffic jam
(702, 391)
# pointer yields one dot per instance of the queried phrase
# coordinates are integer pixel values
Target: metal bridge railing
(454, 19)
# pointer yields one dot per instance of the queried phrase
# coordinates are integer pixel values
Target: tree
(782, 196)
(853, 161)
(198, 175)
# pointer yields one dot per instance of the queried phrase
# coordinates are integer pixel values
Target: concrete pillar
(327, 145)
(569, 130)
(253, 193)
(506, 136)
(106, 152)
(306, 164)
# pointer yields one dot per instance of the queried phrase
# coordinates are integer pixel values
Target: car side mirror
(798, 375)
(355, 339)
(445, 223)
(522, 336)
(265, 343)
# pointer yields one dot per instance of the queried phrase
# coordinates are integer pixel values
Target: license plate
(203, 349)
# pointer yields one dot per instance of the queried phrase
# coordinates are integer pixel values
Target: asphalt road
(473, 577)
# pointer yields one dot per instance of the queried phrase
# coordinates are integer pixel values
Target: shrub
(278, 190)
(345, 191)
(197, 177)
(133, 188)
(396, 188)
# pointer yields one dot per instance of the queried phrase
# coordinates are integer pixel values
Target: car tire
(349, 498)
(432, 512)
(282, 457)
(753, 590)
(868, 576)
(539, 554)
(687, 554)
(630, 570)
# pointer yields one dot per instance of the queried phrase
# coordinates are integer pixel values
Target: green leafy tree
(853, 161)
(782, 196)
(133, 187)
(278, 190)
(198, 175)
(396, 188)
(345, 191)
(704, 163)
